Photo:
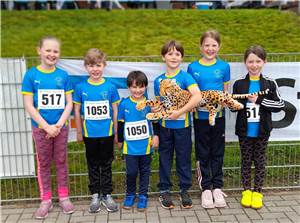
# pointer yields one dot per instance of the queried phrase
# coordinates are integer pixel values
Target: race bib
(51, 99)
(96, 110)
(136, 130)
(252, 111)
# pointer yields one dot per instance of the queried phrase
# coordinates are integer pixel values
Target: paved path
(278, 207)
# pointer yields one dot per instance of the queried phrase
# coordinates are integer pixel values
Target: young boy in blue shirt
(175, 133)
(97, 100)
(135, 136)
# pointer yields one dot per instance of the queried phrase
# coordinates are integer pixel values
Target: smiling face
(209, 49)
(49, 53)
(173, 58)
(254, 64)
(95, 71)
(137, 92)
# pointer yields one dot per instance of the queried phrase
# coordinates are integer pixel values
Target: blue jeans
(178, 140)
(137, 165)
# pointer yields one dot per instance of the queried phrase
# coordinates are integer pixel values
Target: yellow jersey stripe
(84, 129)
(26, 93)
(110, 128)
(125, 149)
(186, 121)
(116, 102)
(69, 92)
(75, 102)
(192, 86)
(148, 146)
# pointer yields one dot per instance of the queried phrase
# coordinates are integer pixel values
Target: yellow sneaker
(257, 202)
(246, 198)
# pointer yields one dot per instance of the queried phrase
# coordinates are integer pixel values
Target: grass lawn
(142, 32)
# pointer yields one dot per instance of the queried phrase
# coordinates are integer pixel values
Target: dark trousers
(253, 149)
(180, 141)
(137, 165)
(99, 156)
(209, 148)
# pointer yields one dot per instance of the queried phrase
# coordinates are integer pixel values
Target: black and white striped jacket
(272, 102)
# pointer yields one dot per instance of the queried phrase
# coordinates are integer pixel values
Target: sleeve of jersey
(77, 95)
(190, 82)
(189, 69)
(115, 95)
(27, 85)
(68, 87)
(227, 74)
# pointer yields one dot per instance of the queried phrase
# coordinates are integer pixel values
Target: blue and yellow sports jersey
(253, 118)
(96, 101)
(48, 89)
(137, 129)
(186, 82)
(210, 77)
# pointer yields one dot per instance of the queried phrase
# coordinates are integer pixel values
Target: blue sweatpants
(137, 165)
(178, 140)
(210, 147)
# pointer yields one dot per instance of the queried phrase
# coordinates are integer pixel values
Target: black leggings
(253, 149)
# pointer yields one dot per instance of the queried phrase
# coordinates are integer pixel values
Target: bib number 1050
(137, 130)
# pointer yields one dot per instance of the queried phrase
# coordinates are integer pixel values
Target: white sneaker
(219, 195)
(207, 199)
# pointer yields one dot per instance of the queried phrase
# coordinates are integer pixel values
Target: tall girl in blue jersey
(254, 123)
(210, 73)
(136, 138)
(48, 100)
(175, 133)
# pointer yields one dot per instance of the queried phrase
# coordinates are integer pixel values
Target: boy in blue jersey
(175, 133)
(135, 136)
(254, 123)
(210, 73)
(97, 101)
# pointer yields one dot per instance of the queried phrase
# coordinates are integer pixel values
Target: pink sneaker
(207, 199)
(42, 211)
(66, 205)
(219, 195)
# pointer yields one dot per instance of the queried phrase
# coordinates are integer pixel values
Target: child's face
(254, 64)
(173, 58)
(95, 71)
(209, 48)
(137, 92)
(49, 52)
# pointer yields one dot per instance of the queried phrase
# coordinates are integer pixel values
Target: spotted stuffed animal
(175, 98)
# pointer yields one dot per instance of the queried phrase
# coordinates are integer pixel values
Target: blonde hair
(211, 34)
(42, 40)
(94, 56)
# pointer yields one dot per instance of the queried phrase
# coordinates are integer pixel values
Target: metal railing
(18, 175)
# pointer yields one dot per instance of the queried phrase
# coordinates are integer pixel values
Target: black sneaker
(166, 201)
(186, 201)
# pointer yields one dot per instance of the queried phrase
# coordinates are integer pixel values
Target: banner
(286, 123)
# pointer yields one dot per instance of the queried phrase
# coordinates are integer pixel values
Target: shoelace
(166, 197)
(220, 194)
(185, 196)
(109, 199)
(94, 199)
(143, 200)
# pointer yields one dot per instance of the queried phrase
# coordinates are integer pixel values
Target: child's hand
(155, 141)
(252, 98)
(193, 110)
(120, 144)
(52, 131)
(155, 109)
(174, 115)
(79, 136)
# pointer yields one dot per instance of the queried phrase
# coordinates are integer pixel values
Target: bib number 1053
(96, 110)
(137, 130)
(51, 99)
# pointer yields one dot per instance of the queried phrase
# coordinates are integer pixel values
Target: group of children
(102, 120)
